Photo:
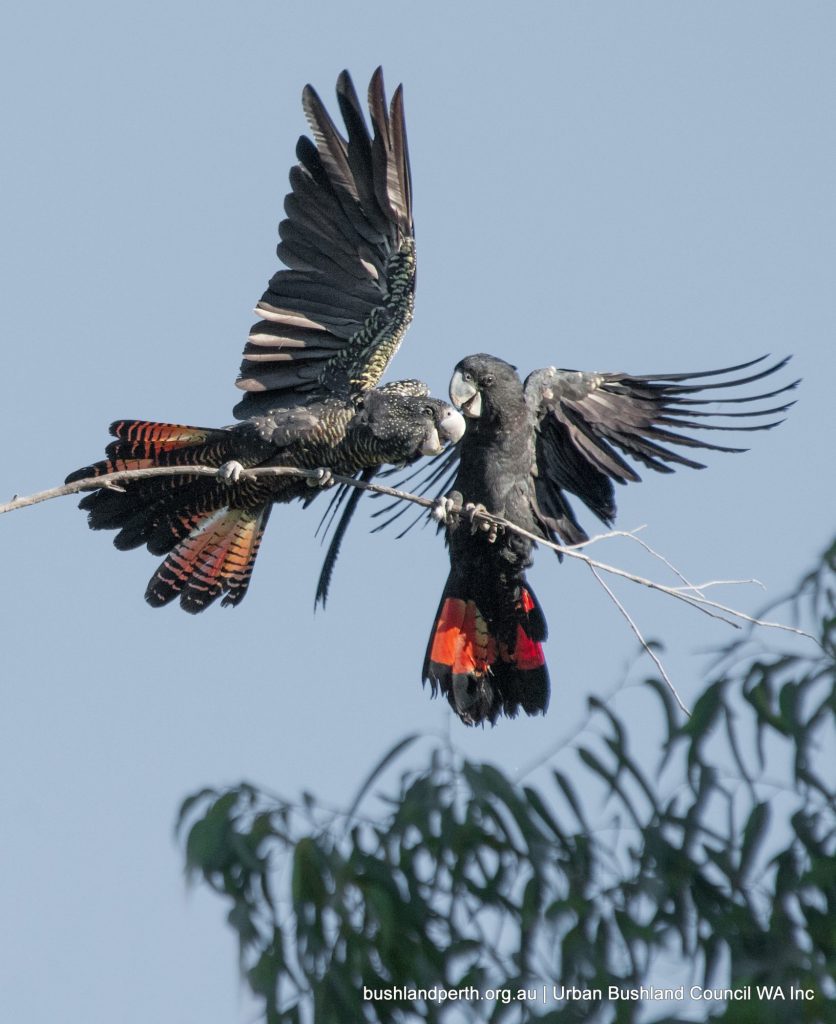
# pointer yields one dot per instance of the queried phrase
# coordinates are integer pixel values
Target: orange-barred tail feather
(143, 444)
(217, 557)
(163, 436)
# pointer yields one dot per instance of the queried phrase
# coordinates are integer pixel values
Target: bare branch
(112, 480)
(690, 594)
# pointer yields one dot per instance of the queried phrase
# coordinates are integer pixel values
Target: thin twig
(641, 639)
(687, 585)
(723, 583)
(700, 602)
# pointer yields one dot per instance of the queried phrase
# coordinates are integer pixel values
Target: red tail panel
(528, 654)
(447, 632)
(481, 675)
(461, 640)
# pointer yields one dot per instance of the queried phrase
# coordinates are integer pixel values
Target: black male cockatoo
(525, 448)
(330, 323)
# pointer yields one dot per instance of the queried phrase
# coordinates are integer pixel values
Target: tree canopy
(712, 869)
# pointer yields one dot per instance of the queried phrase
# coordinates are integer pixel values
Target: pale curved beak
(431, 445)
(450, 429)
(465, 396)
(451, 426)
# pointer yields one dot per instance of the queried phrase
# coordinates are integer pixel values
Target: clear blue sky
(643, 186)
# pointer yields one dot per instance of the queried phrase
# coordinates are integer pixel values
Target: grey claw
(491, 529)
(230, 472)
(472, 510)
(443, 509)
(322, 478)
(447, 509)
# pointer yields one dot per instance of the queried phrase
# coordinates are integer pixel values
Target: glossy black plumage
(527, 447)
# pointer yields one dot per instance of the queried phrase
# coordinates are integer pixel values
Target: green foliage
(722, 858)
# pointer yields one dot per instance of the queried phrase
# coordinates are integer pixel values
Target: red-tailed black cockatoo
(330, 323)
(526, 447)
